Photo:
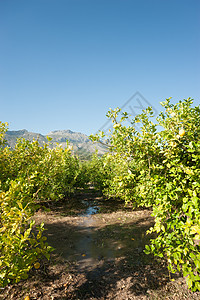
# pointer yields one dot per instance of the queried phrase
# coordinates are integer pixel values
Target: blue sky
(64, 63)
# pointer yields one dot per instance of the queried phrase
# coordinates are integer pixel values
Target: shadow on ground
(84, 202)
(98, 255)
(106, 260)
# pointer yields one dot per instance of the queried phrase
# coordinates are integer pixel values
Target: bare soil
(98, 255)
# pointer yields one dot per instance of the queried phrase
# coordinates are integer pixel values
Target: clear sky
(64, 63)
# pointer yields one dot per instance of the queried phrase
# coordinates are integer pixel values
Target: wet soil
(98, 254)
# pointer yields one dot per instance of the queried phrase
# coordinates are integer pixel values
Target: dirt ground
(98, 255)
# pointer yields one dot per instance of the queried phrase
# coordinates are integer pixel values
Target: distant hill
(80, 142)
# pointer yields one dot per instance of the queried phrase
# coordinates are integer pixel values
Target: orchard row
(155, 166)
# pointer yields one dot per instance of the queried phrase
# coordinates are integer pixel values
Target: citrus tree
(158, 166)
(131, 157)
(30, 173)
(177, 191)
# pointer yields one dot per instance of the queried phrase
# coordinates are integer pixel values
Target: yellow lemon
(173, 144)
(182, 132)
(37, 265)
(27, 298)
(173, 114)
(117, 125)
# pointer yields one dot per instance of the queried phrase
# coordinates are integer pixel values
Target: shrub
(158, 166)
(20, 247)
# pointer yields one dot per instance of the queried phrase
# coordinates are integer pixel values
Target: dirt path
(98, 255)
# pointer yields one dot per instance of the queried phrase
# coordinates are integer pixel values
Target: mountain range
(81, 144)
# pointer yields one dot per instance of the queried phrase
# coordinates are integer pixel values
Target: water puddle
(95, 237)
(91, 208)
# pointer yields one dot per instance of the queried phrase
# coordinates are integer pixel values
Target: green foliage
(177, 189)
(100, 171)
(29, 174)
(158, 166)
(52, 172)
(3, 129)
(20, 247)
(130, 160)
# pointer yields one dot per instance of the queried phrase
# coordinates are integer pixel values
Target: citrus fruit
(37, 265)
(182, 132)
(173, 114)
(173, 144)
(117, 125)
